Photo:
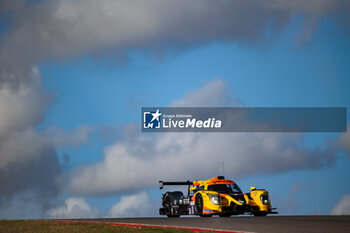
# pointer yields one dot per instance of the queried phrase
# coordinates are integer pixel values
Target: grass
(52, 226)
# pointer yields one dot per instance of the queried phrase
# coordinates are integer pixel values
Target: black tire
(199, 204)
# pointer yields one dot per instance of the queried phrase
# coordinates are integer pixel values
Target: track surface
(269, 224)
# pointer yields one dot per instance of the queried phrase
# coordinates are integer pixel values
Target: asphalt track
(269, 224)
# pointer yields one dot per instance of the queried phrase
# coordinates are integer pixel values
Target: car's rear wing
(164, 183)
(188, 183)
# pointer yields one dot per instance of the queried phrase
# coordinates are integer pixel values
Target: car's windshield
(225, 188)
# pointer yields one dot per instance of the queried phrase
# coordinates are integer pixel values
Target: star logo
(156, 115)
(151, 119)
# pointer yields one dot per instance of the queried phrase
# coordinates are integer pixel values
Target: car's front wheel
(199, 204)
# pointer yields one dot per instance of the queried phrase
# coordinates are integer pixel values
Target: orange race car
(216, 196)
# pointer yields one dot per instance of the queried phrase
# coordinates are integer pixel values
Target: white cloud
(63, 138)
(66, 28)
(214, 94)
(21, 109)
(12, 5)
(141, 160)
(73, 208)
(136, 205)
(343, 142)
(342, 207)
(28, 161)
(23, 106)
(133, 205)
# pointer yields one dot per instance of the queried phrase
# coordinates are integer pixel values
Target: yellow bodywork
(207, 204)
(256, 198)
(257, 201)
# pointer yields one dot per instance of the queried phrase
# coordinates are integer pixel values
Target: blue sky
(104, 88)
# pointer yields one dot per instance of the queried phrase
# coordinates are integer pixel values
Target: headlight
(264, 199)
(214, 198)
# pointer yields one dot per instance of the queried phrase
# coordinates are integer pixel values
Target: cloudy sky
(75, 74)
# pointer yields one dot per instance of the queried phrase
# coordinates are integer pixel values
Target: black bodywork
(174, 204)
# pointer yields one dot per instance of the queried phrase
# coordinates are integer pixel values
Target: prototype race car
(216, 196)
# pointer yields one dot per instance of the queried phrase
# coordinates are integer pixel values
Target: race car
(216, 196)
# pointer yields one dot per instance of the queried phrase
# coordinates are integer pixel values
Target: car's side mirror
(252, 188)
(193, 188)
